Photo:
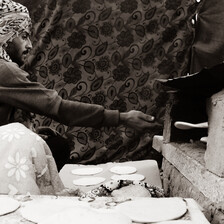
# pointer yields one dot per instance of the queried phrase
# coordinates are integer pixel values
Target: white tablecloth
(147, 168)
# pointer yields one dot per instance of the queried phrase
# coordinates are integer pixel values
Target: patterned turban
(14, 18)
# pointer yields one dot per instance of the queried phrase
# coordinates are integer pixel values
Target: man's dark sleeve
(17, 91)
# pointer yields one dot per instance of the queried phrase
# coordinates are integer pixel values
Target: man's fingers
(148, 118)
(153, 127)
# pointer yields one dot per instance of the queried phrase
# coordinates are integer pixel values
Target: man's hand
(136, 120)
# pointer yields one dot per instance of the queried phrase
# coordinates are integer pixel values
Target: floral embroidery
(103, 64)
(58, 32)
(106, 29)
(95, 135)
(125, 39)
(17, 166)
(119, 105)
(55, 67)
(72, 75)
(38, 138)
(129, 6)
(33, 152)
(99, 98)
(145, 93)
(80, 6)
(14, 133)
(121, 73)
(76, 40)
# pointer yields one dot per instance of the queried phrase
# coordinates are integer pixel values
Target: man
(17, 92)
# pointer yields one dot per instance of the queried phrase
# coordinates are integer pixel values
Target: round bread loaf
(131, 191)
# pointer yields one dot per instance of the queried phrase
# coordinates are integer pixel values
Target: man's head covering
(14, 18)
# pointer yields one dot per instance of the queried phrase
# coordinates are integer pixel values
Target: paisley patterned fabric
(110, 52)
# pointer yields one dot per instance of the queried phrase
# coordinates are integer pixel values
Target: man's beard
(14, 54)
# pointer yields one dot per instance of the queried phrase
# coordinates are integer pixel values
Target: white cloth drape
(26, 163)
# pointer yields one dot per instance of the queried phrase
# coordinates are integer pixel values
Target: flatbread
(153, 209)
(204, 140)
(38, 210)
(186, 125)
(133, 177)
(123, 169)
(131, 191)
(177, 222)
(88, 181)
(86, 215)
(8, 205)
(87, 171)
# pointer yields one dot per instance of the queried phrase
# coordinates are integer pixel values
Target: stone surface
(214, 155)
(177, 185)
(188, 158)
(185, 175)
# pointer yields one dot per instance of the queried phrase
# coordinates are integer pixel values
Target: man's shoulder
(7, 65)
(9, 71)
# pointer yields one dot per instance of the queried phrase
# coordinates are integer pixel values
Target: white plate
(87, 171)
(8, 205)
(88, 181)
(177, 222)
(153, 209)
(38, 210)
(132, 177)
(86, 215)
(123, 169)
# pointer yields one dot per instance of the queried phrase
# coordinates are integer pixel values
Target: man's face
(19, 48)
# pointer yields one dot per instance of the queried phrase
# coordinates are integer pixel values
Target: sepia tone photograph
(111, 111)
